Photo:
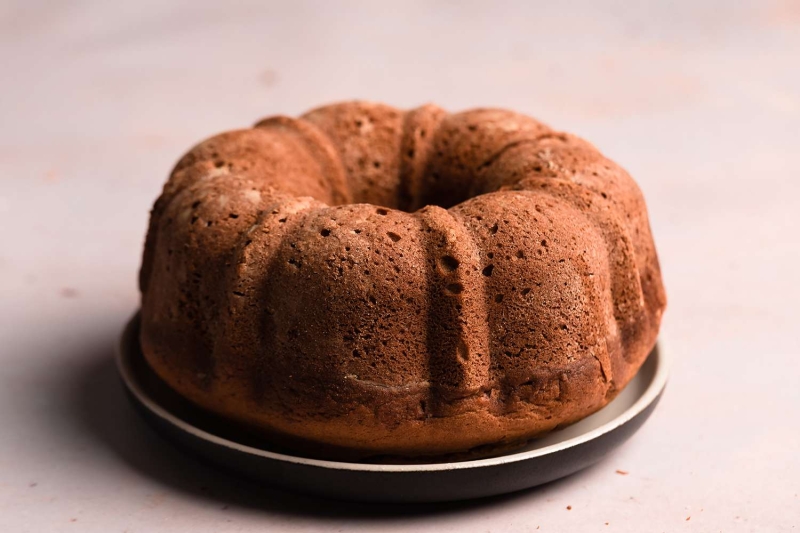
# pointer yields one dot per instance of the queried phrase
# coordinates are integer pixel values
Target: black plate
(558, 454)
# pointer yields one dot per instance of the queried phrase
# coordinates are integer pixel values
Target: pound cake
(366, 282)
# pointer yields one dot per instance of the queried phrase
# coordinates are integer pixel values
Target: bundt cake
(367, 282)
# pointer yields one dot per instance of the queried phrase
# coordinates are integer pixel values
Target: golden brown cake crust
(365, 281)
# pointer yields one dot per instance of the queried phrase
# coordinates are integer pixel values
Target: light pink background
(700, 101)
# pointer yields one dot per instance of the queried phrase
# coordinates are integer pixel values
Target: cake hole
(488, 270)
(282, 220)
(490, 255)
(219, 163)
(449, 263)
(494, 229)
(526, 291)
(382, 212)
(357, 231)
(498, 298)
(196, 204)
(410, 153)
(194, 219)
(544, 243)
(233, 215)
(376, 164)
(392, 235)
(455, 288)
(520, 254)
(209, 223)
(462, 352)
(325, 232)
(604, 195)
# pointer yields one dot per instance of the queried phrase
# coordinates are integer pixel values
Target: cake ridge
(420, 127)
(457, 320)
(255, 261)
(624, 286)
(317, 144)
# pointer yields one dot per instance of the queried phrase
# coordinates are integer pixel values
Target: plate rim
(651, 394)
